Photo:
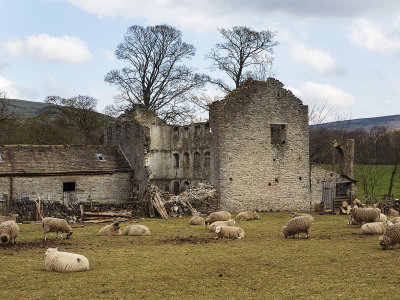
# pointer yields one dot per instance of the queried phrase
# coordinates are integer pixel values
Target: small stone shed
(67, 174)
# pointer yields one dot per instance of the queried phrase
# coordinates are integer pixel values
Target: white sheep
(55, 225)
(65, 261)
(391, 212)
(297, 225)
(364, 215)
(110, 230)
(214, 225)
(395, 220)
(217, 216)
(247, 215)
(9, 231)
(374, 228)
(382, 218)
(391, 236)
(229, 232)
(196, 220)
(137, 230)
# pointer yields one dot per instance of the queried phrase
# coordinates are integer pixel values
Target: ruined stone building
(254, 150)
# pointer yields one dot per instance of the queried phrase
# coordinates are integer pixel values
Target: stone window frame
(176, 160)
(278, 133)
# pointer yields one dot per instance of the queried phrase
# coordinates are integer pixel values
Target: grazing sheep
(382, 218)
(65, 261)
(247, 215)
(217, 216)
(229, 232)
(214, 225)
(196, 220)
(391, 212)
(395, 220)
(137, 230)
(391, 236)
(112, 229)
(320, 207)
(11, 217)
(298, 225)
(364, 215)
(9, 231)
(374, 228)
(55, 225)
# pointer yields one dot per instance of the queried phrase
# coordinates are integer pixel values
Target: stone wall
(105, 188)
(260, 150)
(171, 157)
(319, 175)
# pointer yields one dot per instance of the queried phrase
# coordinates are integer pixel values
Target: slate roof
(57, 160)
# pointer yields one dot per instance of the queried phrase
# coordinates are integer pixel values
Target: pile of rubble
(202, 198)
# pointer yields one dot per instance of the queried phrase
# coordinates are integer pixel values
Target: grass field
(382, 174)
(179, 261)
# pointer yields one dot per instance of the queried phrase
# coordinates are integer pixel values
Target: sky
(343, 54)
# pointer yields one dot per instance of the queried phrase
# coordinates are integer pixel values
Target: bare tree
(155, 76)
(78, 113)
(395, 141)
(7, 116)
(242, 48)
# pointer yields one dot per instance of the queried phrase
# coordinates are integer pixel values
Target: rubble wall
(107, 188)
(260, 149)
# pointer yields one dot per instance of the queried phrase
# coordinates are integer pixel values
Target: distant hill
(28, 108)
(390, 122)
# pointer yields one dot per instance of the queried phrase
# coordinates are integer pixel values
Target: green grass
(179, 261)
(382, 175)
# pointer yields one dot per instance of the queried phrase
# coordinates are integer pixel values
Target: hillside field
(179, 261)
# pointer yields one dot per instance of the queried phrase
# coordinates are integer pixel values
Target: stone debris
(202, 198)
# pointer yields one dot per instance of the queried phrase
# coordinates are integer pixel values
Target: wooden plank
(157, 203)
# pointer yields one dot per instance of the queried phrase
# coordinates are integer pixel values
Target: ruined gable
(260, 156)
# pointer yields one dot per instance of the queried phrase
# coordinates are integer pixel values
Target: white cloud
(52, 87)
(372, 36)
(62, 49)
(315, 93)
(315, 58)
(17, 91)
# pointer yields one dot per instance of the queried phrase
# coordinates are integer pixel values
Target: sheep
(196, 220)
(229, 232)
(214, 225)
(11, 217)
(137, 230)
(374, 228)
(320, 207)
(391, 212)
(217, 216)
(395, 220)
(382, 218)
(55, 225)
(9, 231)
(65, 261)
(364, 215)
(112, 229)
(391, 236)
(298, 225)
(247, 215)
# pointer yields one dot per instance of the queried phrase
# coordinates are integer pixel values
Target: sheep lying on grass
(247, 215)
(112, 229)
(9, 231)
(65, 261)
(55, 225)
(374, 228)
(364, 215)
(391, 236)
(217, 216)
(196, 220)
(137, 230)
(229, 232)
(214, 225)
(11, 217)
(297, 225)
(391, 212)
(382, 218)
(395, 220)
